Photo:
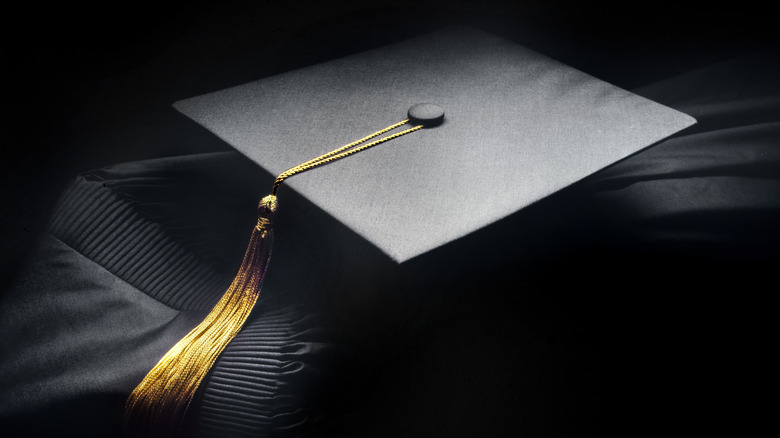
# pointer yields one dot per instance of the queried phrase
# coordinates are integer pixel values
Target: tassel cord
(343, 152)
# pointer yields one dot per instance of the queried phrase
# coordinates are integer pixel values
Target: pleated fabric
(95, 221)
(121, 236)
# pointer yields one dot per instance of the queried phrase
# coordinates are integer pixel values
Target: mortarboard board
(517, 127)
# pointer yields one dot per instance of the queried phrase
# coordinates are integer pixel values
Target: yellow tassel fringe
(159, 403)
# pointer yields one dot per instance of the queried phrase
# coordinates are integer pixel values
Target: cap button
(426, 114)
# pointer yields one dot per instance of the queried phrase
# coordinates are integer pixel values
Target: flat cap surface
(518, 127)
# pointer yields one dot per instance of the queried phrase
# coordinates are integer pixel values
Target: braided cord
(343, 151)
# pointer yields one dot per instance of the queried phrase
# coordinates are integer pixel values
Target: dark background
(88, 86)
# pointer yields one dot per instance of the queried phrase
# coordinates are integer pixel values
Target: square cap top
(518, 126)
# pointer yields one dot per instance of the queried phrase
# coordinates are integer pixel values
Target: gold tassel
(157, 406)
(159, 403)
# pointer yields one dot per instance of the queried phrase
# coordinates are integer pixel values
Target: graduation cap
(466, 127)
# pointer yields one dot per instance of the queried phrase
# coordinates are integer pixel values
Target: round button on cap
(426, 114)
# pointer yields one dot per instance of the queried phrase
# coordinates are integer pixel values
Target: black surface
(678, 341)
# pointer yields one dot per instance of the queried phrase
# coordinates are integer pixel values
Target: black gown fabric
(119, 276)
(135, 254)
